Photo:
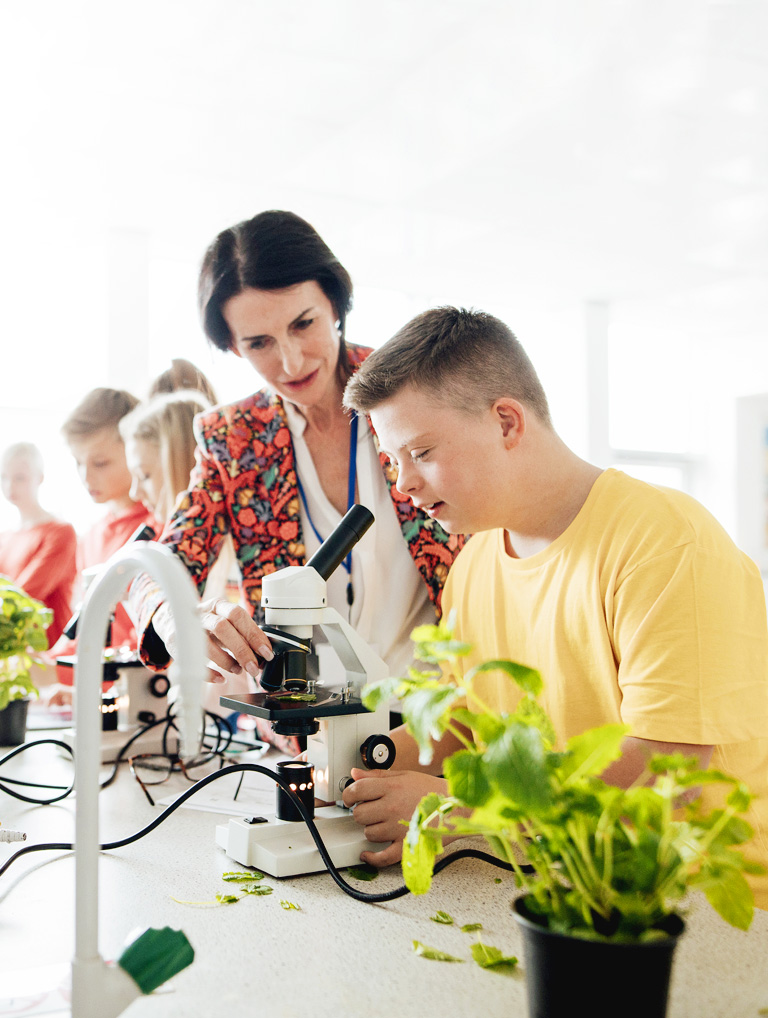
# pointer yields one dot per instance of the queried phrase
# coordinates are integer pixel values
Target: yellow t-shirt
(643, 611)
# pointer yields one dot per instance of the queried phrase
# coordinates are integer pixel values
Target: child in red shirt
(39, 556)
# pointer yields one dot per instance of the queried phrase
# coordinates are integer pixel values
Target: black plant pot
(568, 975)
(13, 723)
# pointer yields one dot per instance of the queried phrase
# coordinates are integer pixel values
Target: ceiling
(549, 150)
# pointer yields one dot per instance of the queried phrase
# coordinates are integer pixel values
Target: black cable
(65, 789)
(398, 892)
(223, 734)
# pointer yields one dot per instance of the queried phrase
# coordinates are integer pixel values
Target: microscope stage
(290, 706)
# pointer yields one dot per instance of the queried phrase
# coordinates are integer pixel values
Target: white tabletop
(335, 957)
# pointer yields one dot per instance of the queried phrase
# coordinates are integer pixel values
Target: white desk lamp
(100, 990)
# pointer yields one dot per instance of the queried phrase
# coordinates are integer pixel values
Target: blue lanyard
(351, 478)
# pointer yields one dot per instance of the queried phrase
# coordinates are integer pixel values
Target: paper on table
(257, 794)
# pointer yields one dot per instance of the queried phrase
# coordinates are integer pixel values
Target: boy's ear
(509, 414)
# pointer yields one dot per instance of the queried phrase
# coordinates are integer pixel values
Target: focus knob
(378, 752)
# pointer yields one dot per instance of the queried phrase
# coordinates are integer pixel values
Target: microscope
(341, 732)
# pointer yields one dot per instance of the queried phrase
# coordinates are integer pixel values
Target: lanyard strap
(351, 479)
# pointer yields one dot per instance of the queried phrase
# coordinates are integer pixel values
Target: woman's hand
(381, 799)
(235, 642)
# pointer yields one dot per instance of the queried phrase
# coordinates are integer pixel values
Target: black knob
(378, 752)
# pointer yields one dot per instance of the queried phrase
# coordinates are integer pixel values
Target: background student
(40, 554)
(160, 451)
(91, 431)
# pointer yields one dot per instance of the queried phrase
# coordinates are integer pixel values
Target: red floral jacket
(244, 483)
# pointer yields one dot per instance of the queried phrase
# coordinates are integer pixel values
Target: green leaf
(592, 752)
(227, 899)
(530, 712)
(465, 773)
(485, 726)
(442, 917)
(364, 872)
(257, 889)
(375, 694)
(516, 763)
(488, 957)
(740, 798)
(528, 679)
(425, 711)
(242, 876)
(731, 897)
(290, 905)
(471, 927)
(418, 863)
(432, 953)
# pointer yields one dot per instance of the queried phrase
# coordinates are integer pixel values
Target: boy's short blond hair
(466, 358)
(101, 408)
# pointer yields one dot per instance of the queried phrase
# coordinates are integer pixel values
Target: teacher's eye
(304, 323)
(256, 344)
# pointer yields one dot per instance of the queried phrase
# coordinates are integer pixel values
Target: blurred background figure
(92, 434)
(183, 375)
(40, 554)
(160, 444)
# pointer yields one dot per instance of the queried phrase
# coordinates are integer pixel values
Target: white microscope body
(341, 733)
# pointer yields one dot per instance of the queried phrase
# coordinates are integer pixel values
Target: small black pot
(568, 975)
(13, 723)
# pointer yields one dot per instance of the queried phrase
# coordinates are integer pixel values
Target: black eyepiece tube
(340, 543)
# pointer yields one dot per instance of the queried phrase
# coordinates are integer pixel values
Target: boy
(92, 434)
(631, 600)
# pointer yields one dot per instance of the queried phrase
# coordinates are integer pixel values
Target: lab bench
(333, 956)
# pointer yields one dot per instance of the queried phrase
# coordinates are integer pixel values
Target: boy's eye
(416, 456)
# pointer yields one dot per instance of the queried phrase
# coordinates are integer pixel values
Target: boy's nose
(407, 478)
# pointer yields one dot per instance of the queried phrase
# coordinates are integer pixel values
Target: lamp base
(284, 848)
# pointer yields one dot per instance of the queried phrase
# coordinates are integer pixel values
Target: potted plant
(603, 870)
(23, 622)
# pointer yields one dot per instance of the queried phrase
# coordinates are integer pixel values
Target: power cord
(63, 789)
(223, 737)
(223, 740)
(465, 853)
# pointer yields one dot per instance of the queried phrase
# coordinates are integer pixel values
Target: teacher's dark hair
(272, 251)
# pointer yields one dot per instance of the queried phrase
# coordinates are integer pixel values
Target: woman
(279, 469)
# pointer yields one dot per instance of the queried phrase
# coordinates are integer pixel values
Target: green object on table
(155, 956)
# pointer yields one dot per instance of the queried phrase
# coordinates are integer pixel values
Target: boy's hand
(381, 799)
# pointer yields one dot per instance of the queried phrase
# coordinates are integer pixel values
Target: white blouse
(390, 594)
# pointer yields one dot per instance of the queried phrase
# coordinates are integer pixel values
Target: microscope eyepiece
(340, 543)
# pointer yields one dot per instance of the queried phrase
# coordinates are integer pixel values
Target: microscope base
(282, 848)
(113, 742)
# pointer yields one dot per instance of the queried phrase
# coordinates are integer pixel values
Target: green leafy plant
(602, 862)
(23, 622)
